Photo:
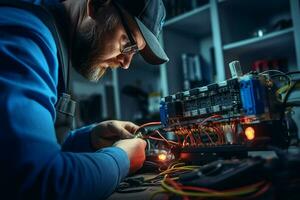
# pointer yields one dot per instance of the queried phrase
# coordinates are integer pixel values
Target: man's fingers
(116, 129)
(125, 134)
(131, 127)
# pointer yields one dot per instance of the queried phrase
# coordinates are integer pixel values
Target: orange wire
(147, 124)
(176, 186)
(156, 131)
(205, 120)
(209, 137)
(179, 140)
(211, 117)
(199, 142)
(189, 134)
(220, 133)
(220, 136)
(198, 189)
(167, 141)
(202, 189)
(235, 132)
(263, 190)
(159, 139)
(258, 184)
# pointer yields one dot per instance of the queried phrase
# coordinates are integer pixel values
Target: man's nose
(125, 60)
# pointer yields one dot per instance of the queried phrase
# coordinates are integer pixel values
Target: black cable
(285, 99)
(292, 72)
(294, 78)
(282, 75)
(293, 104)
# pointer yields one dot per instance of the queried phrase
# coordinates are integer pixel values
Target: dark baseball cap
(149, 16)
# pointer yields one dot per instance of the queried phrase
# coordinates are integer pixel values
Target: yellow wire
(172, 170)
(158, 192)
(176, 164)
(283, 89)
(206, 194)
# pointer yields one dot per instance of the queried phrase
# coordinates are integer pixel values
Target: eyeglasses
(132, 47)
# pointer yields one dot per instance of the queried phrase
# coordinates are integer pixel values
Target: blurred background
(200, 37)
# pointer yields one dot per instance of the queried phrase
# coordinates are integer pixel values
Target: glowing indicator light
(250, 133)
(162, 157)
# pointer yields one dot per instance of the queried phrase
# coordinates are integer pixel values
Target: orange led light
(162, 157)
(250, 133)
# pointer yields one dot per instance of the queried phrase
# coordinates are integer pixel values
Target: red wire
(192, 139)
(209, 137)
(179, 140)
(211, 117)
(260, 183)
(184, 141)
(264, 189)
(147, 124)
(199, 189)
(205, 120)
(157, 132)
(260, 192)
(159, 139)
(176, 186)
(220, 133)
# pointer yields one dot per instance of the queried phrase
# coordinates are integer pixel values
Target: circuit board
(241, 113)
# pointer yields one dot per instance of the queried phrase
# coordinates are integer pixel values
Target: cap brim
(153, 53)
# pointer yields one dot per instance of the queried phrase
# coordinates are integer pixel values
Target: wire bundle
(247, 192)
(205, 133)
(208, 133)
(172, 187)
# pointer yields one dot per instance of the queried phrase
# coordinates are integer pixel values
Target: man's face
(95, 55)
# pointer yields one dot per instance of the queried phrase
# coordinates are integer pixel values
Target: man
(98, 34)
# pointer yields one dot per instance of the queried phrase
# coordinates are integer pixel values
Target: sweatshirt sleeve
(32, 163)
(79, 140)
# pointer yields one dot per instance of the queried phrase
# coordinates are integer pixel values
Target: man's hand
(106, 133)
(135, 149)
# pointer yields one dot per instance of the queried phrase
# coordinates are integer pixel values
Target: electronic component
(235, 69)
(242, 112)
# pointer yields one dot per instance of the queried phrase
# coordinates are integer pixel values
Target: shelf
(276, 45)
(195, 23)
(275, 38)
(262, 8)
(239, 20)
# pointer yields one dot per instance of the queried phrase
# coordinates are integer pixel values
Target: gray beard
(83, 54)
(94, 74)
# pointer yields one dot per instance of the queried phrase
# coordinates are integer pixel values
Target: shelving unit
(259, 31)
(187, 33)
(239, 19)
(220, 31)
(140, 75)
(278, 37)
(188, 23)
(279, 44)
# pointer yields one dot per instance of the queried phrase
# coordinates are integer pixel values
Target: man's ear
(90, 9)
